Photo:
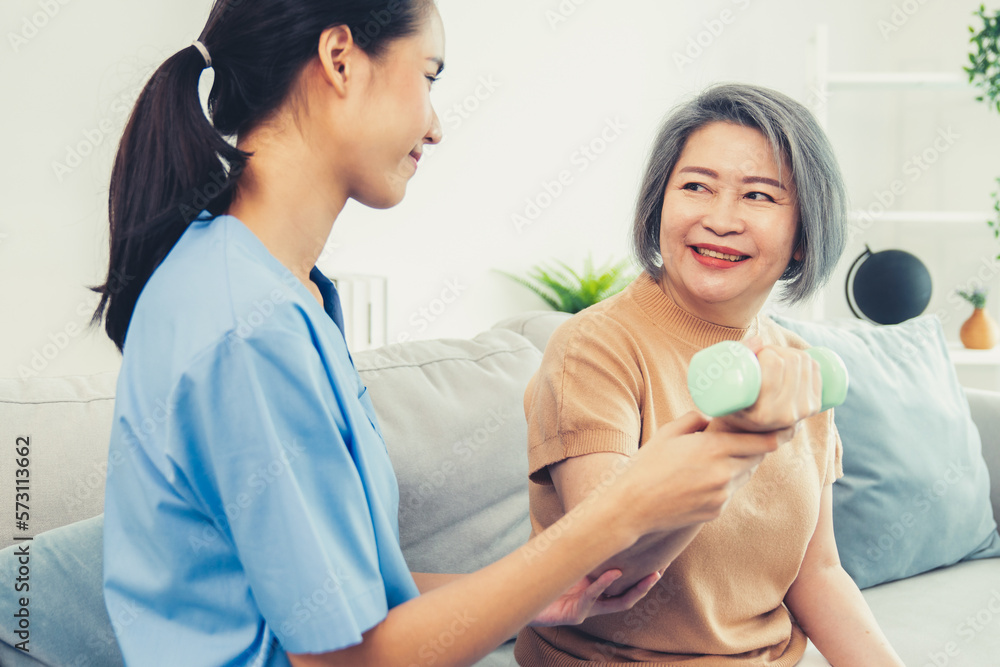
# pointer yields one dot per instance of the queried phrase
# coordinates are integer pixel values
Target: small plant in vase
(979, 332)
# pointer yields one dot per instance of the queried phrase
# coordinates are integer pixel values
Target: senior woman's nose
(723, 217)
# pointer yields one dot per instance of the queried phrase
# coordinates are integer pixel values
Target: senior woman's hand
(791, 390)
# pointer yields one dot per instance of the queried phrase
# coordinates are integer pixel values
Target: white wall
(555, 87)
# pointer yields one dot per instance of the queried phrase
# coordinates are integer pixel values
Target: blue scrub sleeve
(273, 462)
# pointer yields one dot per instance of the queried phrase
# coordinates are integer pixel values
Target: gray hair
(796, 139)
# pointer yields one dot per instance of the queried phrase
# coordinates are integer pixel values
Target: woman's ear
(337, 50)
(798, 253)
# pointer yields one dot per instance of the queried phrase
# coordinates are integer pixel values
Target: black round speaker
(888, 287)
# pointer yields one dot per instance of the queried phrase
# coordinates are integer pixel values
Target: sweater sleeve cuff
(568, 444)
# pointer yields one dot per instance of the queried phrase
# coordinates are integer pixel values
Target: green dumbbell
(725, 378)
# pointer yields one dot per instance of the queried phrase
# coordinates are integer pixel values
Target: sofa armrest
(985, 406)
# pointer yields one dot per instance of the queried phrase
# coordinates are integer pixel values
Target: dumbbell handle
(725, 378)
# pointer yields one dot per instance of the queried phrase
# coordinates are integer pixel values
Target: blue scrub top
(251, 507)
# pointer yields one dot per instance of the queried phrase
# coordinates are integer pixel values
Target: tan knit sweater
(611, 376)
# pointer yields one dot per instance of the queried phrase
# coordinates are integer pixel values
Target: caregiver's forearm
(575, 478)
(653, 553)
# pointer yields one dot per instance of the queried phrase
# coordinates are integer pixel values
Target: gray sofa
(452, 415)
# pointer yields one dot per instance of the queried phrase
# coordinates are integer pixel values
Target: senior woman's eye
(760, 196)
(694, 187)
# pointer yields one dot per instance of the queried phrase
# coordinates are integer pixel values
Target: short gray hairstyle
(797, 140)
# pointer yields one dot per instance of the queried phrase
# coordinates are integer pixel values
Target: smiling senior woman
(742, 191)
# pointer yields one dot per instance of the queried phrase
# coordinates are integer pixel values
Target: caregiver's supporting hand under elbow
(579, 602)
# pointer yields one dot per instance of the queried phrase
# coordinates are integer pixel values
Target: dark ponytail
(173, 162)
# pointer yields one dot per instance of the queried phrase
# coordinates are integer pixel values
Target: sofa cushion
(535, 325)
(452, 415)
(915, 493)
(68, 423)
(948, 617)
(985, 408)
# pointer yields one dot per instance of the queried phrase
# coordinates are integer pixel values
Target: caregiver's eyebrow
(439, 63)
(746, 179)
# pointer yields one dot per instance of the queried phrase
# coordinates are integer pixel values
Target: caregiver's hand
(697, 472)
(791, 390)
(584, 599)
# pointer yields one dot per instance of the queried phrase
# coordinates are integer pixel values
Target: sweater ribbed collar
(679, 323)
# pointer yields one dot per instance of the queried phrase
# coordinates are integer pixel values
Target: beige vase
(979, 332)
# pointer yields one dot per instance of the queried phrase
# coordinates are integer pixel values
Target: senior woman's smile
(729, 226)
(719, 257)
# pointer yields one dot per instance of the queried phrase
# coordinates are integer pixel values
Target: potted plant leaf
(567, 291)
(984, 69)
(980, 331)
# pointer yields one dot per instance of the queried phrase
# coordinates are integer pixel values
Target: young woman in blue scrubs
(251, 507)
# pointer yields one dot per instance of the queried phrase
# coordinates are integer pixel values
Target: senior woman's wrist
(734, 424)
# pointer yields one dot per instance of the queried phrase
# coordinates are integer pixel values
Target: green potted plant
(984, 74)
(980, 331)
(984, 68)
(567, 291)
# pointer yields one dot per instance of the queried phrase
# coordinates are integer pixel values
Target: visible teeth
(719, 255)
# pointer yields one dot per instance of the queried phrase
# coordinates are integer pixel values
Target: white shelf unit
(962, 356)
(824, 82)
(981, 367)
